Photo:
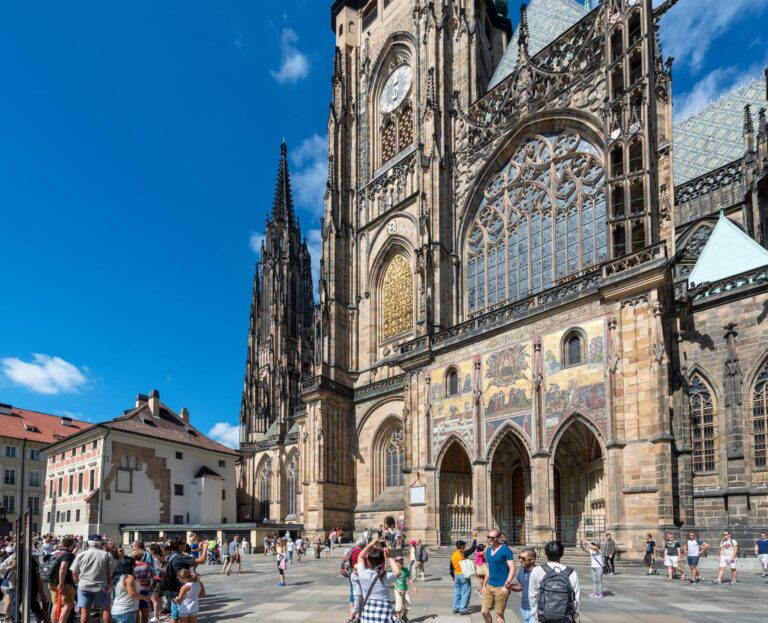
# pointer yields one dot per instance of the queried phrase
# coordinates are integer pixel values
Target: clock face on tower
(396, 88)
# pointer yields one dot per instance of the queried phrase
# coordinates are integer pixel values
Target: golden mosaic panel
(397, 298)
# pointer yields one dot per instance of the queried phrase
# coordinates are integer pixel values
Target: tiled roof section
(728, 252)
(35, 426)
(206, 471)
(167, 426)
(712, 137)
(547, 20)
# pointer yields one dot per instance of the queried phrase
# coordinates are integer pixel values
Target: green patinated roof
(728, 252)
(294, 429)
(547, 19)
(712, 137)
(273, 430)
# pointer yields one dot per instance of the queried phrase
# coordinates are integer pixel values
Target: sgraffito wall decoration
(507, 388)
(579, 388)
(452, 414)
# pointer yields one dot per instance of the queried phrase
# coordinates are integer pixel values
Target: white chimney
(184, 415)
(154, 402)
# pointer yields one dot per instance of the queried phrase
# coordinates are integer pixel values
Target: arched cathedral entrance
(510, 487)
(455, 495)
(578, 496)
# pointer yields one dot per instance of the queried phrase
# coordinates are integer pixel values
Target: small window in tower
(619, 241)
(635, 68)
(635, 29)
(371, 13)
(636, 157)
(617, 161)
(452, 383)
(388, 140)
(617, 82)
(617, 201)
(637, 197)
(617, 44)
(638, 235)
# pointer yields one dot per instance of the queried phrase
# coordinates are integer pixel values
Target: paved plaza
(316, 592)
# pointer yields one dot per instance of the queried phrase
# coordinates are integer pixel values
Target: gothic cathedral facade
(540, 302)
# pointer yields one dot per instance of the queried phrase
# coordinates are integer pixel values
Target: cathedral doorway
(455, 495)
(577, 476)
(510, 487)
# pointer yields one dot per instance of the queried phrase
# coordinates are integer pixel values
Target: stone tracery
(542, 218)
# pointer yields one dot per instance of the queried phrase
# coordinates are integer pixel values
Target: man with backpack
(56, 571)
(175, 561)
(553, 591)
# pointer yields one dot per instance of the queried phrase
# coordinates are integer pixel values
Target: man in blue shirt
(527, 564)
(761, 551)
(498, 580)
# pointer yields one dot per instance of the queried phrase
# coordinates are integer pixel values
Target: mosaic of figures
(575, 388)
(504, 374)
(507, 388)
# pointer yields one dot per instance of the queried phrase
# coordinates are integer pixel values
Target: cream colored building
(147, 466)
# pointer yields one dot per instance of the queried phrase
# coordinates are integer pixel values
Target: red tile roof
(168, 426)
(42, 427)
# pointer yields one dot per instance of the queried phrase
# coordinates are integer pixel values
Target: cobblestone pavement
(315, 592)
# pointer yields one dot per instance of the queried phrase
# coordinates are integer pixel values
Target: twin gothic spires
(280, 328)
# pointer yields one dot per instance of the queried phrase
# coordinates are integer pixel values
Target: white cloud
(688, 30)
(315, 246)
(294, 64)
(254, 242)
(45, 374)
(310, 160)
(226, 434)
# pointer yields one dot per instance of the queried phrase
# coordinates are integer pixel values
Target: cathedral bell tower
(279, 351)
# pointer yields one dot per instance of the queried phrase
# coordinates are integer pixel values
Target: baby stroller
(213, 557)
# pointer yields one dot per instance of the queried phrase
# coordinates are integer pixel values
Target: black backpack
(555, 599)
(49, 568)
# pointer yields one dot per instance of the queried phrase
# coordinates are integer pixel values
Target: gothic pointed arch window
(395, 458)
(292, 483)
(760, 418)
(264, 488)
(542, 218)
(702, 425)
(397, 298)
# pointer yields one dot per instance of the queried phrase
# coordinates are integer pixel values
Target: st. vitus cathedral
(542, 305)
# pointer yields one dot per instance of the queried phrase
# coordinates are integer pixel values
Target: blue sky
(138, 156)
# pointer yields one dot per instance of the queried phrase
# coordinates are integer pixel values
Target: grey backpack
(555, 599)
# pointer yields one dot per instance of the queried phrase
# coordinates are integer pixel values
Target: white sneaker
(154, 620)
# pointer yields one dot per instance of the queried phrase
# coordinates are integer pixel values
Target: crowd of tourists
(73, 577)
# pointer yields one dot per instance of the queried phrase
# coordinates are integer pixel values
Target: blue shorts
(693, 561)
(174, 606)
(87, 599)
(143, 605)
(126, 617)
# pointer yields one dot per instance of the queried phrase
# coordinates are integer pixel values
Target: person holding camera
(375, 581)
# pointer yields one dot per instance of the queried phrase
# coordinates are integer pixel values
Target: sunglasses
(524, 559)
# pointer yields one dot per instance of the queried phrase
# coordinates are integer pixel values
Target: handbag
(467, 568)
(281, 564)
(482, 570)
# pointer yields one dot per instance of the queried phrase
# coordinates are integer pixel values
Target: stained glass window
(702, 426)
(573, 350)
(759, 417)
(293, 482)
(397, 298)
(395, 458)
(541, 218)
(265, 490)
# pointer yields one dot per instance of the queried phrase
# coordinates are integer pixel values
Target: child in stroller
(214, 556)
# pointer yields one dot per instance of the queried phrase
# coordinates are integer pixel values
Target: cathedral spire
(522, 40)
(282, 204)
